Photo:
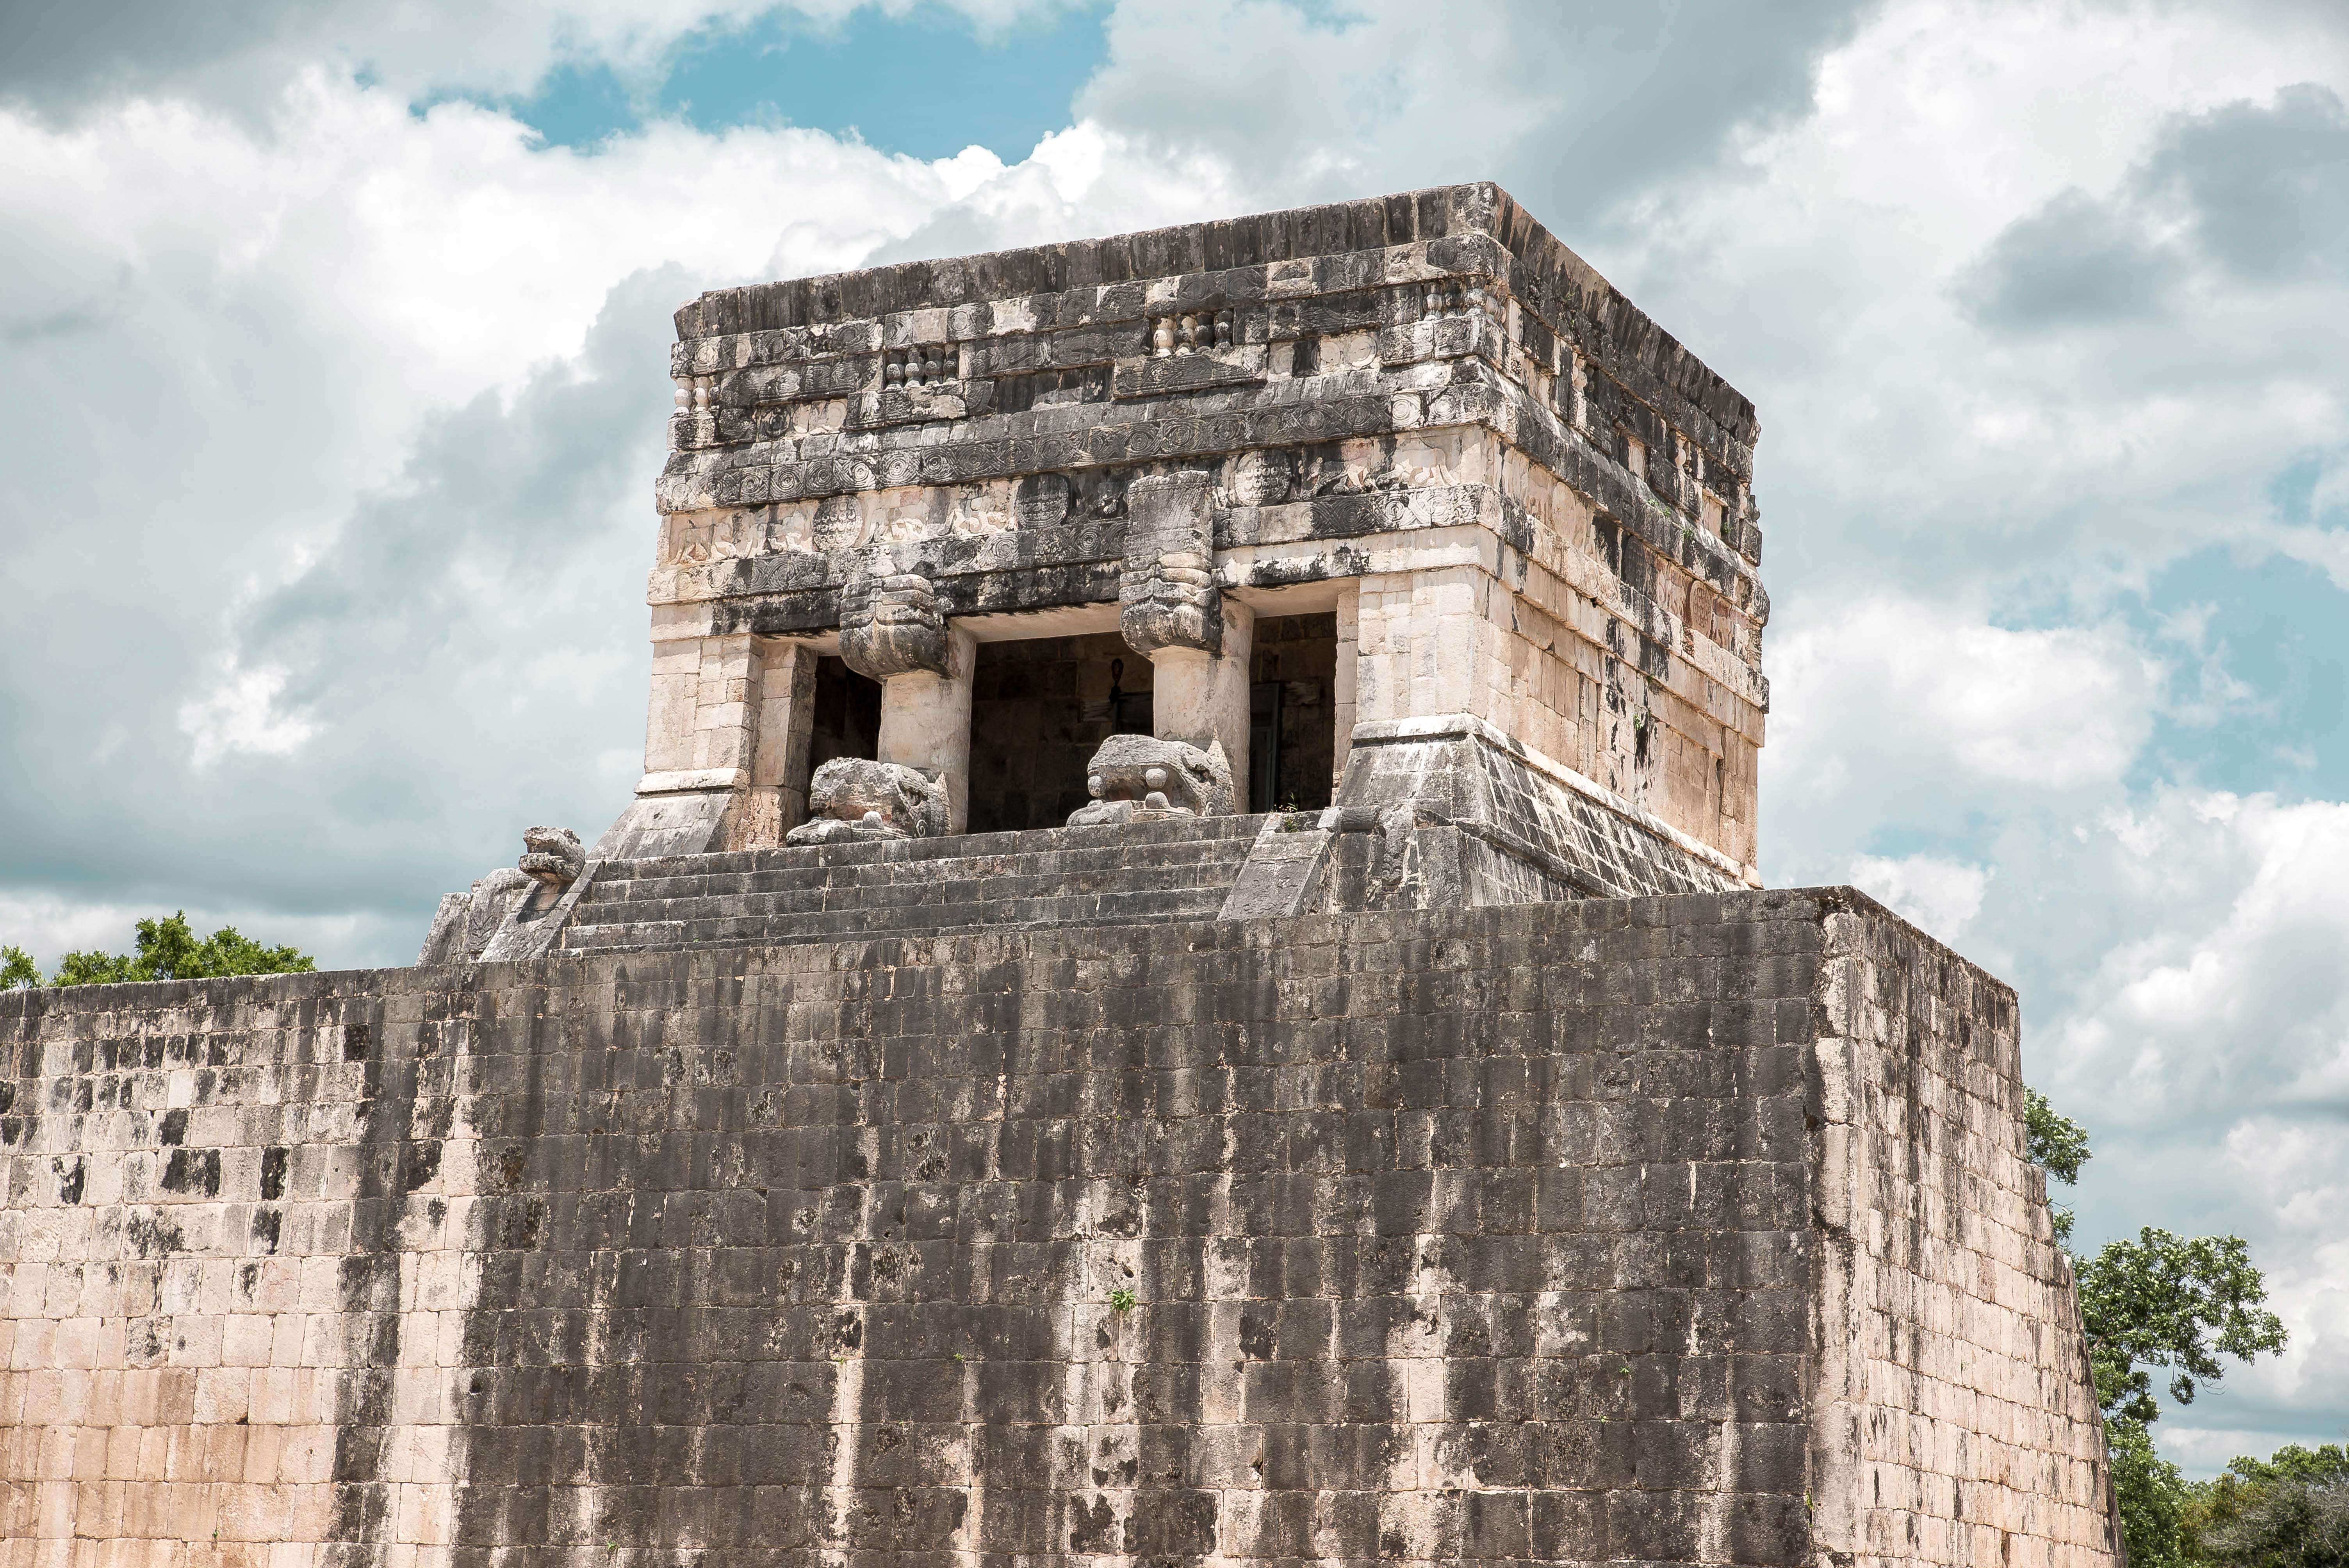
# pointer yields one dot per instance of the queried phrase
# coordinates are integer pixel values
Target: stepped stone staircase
(1180, 870)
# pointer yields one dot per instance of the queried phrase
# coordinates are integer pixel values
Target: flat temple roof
(1546, 277)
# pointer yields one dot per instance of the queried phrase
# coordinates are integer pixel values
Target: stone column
(726, 742)
(892, 631)
(704, 697)
(1343, 682)
(1427, 645)
(1171, 610)
(1202, 699)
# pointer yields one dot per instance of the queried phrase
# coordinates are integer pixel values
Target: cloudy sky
(333, 371)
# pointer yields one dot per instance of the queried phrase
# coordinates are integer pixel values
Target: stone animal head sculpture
(890, 623)
(1167, 592)
(852, 798)
(552, 856)
(1140, 778)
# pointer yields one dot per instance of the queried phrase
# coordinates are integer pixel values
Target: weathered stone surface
(1141, 777)
(1395, 1180)
(552, 857)
(1423, 413)
(1668, 1230)
(890, 623)
(855, 799)
(467, 922)
(1166, 592)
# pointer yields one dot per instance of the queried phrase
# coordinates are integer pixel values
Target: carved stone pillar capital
(890, 622)
(1166, 592)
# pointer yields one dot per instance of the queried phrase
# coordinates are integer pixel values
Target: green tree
(2161, 1302)
(2060, 1145)
(2290, 1510)
(2153, 1496)
(167, 949)
(2165, 1300)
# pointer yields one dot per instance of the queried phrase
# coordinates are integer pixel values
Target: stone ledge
(686, 781)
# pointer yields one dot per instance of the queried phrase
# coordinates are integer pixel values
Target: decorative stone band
(692, 780)
(1458, 725)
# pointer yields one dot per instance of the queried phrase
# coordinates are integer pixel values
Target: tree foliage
(2165, 1300)
(2290, 1510)
(2058, 1144)
(2161, 1302)
(2152, 1496)
(167, 949)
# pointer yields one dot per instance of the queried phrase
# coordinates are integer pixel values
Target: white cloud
(326, 433)
(338, 493)
(1910, 710)
(240, 713)
(2326, 549)
(1906, 440)
(1939, 895)
(2230, 990)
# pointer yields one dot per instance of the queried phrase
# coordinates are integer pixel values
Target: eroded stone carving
(1141, 778)
(1262, 479)
(838, 523)
(853, 797)
(467, 921)
(890, 623)
(1166, 591)
(1043, 501)
(552, 856)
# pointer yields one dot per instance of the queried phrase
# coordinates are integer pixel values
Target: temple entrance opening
(1292, 713)
(846, 720)
(1040, 708)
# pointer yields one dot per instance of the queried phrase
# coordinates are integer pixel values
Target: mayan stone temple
(1184, 983)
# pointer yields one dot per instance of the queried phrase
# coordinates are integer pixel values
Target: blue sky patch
(926, 84)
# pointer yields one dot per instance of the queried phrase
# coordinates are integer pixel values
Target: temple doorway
(1039, 710)
(846, 717)
(1292, 713)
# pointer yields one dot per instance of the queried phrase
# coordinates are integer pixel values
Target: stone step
(1100, 876)
(888, 880)
(947, 888)
(964, 846)
(946, 920)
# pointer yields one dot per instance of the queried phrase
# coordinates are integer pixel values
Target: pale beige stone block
(925, 723)
(1202, 699)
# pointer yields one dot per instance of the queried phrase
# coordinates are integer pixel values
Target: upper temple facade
(1393, 511)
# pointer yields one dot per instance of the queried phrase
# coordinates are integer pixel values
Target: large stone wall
(1688, 1230)
(1957, 1419)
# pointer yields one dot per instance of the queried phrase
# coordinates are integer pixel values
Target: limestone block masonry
(1388, 1123)
(1529, 509)
(1690, 1230)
